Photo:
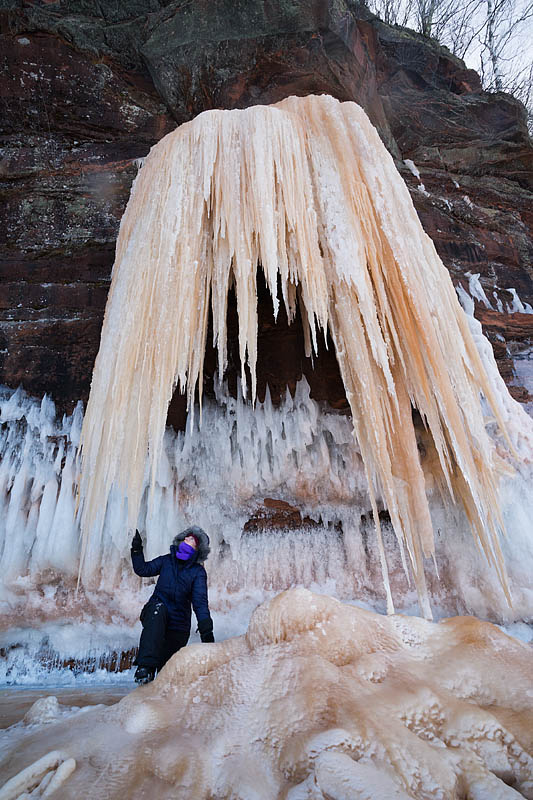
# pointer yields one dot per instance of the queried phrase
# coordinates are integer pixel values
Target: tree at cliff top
(493, 36)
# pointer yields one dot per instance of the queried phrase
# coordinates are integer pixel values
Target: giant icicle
(307, 190)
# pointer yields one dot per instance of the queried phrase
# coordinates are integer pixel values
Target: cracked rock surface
(89, 87)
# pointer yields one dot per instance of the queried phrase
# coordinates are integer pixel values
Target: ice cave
(370, 575)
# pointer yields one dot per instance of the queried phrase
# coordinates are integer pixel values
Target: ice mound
(317, 700)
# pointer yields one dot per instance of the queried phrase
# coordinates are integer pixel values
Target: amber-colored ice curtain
(307, 190)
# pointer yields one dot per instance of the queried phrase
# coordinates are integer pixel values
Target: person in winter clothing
(166, 617)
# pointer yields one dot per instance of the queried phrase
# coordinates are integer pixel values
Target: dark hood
(203, 538)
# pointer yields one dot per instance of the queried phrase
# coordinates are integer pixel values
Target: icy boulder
(317, 700)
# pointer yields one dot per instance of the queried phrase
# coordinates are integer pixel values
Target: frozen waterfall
(307, 190)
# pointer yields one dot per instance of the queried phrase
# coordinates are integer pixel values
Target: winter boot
(144, 674)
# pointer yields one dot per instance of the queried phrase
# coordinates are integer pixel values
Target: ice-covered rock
(318, 700)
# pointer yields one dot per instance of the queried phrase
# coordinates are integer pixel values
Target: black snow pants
(158, 642)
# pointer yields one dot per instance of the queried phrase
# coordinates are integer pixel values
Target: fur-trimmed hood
(203, 539)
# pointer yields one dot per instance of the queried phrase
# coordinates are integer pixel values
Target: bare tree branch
(498, 33)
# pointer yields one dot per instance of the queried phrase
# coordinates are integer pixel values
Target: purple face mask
(184, 551)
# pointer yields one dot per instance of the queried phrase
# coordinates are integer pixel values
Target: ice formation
(478, 293)
(307, 190)
(317, 701)
(223, 472)
(298, 453)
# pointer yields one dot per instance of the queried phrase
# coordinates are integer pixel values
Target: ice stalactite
(38, 529)
(306, 190)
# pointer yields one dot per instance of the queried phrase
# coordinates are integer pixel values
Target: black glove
(137, 543)
(205, 629)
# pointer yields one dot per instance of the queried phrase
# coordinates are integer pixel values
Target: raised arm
(146, 569)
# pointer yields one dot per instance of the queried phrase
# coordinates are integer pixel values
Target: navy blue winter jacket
(179, 585)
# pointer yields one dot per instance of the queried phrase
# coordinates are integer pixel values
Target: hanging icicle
(307, 190)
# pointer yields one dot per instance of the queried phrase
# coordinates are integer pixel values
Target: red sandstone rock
(86, 92)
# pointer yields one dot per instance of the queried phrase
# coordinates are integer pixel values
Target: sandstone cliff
(88, 88)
